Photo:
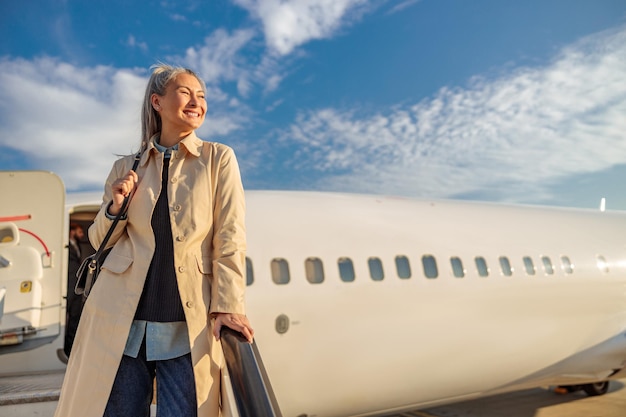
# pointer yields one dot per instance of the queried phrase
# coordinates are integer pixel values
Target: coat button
(189, 304)
(174, 179)
(181, 269)
(177, 207)
(180, 238)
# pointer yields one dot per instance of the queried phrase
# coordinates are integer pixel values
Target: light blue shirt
(161, 148)
(163, 340)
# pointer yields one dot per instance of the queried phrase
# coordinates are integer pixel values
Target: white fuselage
(365, 346)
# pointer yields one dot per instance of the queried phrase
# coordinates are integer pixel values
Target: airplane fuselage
(403, 330)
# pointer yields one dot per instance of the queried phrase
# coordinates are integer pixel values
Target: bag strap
(123, 209)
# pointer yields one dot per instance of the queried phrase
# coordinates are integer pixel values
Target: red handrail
(38, 238)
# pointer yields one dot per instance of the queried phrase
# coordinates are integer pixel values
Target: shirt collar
(162, 148)
(191, 144)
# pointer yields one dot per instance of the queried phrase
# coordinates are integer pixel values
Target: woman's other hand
(122, 188)
(237, 322)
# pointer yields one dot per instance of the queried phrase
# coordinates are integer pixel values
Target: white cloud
(274, 105)
(507, 139)
(133, 43)
(273, 82)
(178, 17)
(219, 59)
(269, 72)
(70, 120)
(401, 6)
(290, 23)
(234, 57)
(75, 120)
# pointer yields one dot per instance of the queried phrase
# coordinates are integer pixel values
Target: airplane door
(32, 262)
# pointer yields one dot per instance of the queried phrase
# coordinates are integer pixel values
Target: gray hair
(162, 74)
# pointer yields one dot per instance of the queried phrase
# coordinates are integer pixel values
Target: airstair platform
(24, 389)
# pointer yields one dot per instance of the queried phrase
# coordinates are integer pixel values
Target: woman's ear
(155, 100)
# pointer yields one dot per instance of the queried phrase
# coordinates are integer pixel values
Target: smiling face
(182, 108)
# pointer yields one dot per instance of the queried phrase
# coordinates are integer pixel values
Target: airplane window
(346, 269)
(547, 265)
(314, 270)
(457, 267)
(602, 264)
(505, 265)
(430, 266)
(567, 265)
(280, 271)
(249, 272)
(481, 266)
(376, 269)
(403, 267)
(529, 265)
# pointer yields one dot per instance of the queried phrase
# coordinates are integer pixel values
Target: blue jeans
(131, 394)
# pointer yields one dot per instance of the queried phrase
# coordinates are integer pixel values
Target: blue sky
(489, 100)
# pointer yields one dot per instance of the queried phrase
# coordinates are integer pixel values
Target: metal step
(24, 389)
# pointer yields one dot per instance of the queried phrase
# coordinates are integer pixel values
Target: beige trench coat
(206, 203)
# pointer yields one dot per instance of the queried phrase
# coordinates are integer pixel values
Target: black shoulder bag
(90, 267)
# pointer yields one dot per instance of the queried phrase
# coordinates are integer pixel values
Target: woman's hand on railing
(237, 322)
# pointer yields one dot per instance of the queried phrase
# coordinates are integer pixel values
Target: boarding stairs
(247, 389)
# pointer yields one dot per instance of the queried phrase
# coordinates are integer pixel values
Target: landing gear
(599, 388)
(592, 390)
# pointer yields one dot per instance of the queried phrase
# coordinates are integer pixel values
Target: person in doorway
(74, 306)
(175, 274)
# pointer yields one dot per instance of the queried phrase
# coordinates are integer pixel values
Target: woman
(175, 275)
